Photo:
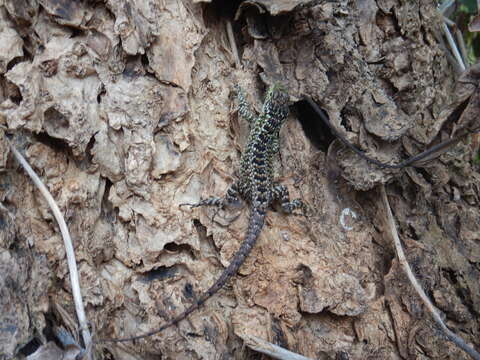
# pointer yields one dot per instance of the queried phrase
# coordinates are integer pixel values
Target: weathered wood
(125, 110)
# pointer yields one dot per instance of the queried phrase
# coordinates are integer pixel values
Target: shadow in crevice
(313, 127)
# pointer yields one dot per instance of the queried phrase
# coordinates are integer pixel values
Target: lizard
(256, 186)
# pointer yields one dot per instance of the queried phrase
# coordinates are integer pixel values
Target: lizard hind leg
(231, 197)
(280, 194)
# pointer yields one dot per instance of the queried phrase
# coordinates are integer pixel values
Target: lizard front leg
(244, 107)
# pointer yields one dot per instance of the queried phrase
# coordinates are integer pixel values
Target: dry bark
(125, 109)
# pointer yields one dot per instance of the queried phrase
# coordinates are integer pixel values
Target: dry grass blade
(411, 277)
(233, 44)
(270, 349)
(72, 265)
(453, 46)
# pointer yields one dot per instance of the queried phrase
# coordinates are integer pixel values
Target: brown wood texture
(126, 110)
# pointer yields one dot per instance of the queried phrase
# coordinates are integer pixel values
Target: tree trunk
(126, 110)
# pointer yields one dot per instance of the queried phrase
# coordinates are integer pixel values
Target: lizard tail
(255, 224)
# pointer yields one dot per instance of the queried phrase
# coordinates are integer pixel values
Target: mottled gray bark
(125, 110)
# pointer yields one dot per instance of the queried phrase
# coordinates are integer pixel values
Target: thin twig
(427, 155)
(462, 46)
(233, 44)
(270, 349)
(445, 5)
(72, 265)
(460, 40)
(449, 22)
(453, 46)
(411, 277)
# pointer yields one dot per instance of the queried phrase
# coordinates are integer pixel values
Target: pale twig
(411, 277)
(460, 40)
(72, 265)
(462, 46)
(453, 46)
(449, 22)
(233, 44)
(445, 5)
(446, 21)
(270, 349)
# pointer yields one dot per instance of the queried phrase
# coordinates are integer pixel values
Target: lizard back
(256, 169)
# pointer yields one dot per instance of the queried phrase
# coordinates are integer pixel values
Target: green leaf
(469, 6)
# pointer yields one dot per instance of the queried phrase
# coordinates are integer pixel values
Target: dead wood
(125, 111)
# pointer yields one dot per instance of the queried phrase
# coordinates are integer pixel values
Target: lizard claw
(306, 211)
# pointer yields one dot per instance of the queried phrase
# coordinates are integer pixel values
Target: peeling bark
(125, 109)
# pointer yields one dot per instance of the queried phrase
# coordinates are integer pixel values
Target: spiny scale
(256, 186)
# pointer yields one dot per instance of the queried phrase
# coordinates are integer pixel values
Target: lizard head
(276, 104)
